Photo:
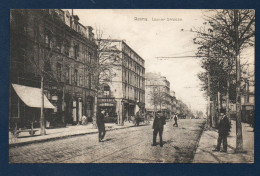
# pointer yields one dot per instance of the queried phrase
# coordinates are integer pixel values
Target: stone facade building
(124, 94)
(53, 45)
(157, 95)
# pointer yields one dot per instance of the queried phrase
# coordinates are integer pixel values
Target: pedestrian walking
(158, 124)
(175, 117)
(101, 126)
(138, 116)
(223, 131)
(84, 120)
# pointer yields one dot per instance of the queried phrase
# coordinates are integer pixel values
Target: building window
(106, 90)
(58, 44)
(125, 76)
(125, 92)
(58, 71)
(89, 57)
(89, 81)
(66, 48)
(80, 80)
(67, 74)
(76, 77)
(76, 51)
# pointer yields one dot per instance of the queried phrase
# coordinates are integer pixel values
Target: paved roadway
(129, 145)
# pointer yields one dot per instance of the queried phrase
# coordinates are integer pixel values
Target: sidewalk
(208, 142)
(57, 133)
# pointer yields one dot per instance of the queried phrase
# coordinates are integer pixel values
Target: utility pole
(154, 103)
(227, 99)
(42, 121)
(239, 137)
(208, 111)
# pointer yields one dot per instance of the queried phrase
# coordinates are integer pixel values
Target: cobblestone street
(130, 145)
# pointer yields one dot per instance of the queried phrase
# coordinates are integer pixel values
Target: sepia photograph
(131, 86)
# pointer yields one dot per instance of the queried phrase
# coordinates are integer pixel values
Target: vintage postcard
(132, 86)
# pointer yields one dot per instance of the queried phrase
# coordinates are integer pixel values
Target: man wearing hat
(158, 123)
(223, 131)
(101, 126)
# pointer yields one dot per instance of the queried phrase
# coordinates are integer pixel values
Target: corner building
(52, 40)
(125, 94)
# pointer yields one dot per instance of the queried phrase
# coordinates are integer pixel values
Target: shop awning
(31, 96)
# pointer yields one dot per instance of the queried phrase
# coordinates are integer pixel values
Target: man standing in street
(138, 116)
(158, 123)
(101, 126)
(175, 120)
(223, 131)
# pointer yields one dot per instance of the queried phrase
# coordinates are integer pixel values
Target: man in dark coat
(101, 126)
(158, 123)
(175, 120)
(223, 131)
(137, 118)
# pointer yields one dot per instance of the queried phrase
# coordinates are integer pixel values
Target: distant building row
(159, 97)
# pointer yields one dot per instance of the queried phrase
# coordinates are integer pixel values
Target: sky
(151, 39)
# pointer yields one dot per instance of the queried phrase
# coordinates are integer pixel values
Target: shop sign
(249, 107)
(106, 100)
(54, 97)
(106, 104)
(78, 94)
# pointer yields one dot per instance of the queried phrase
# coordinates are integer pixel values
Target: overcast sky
(151, 39)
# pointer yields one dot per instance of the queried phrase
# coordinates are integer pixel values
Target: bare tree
(158, 97)
(103, 70)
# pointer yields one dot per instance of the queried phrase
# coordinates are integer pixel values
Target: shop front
(109, 106)
(247, 113)
(77, 103)
(25, 106)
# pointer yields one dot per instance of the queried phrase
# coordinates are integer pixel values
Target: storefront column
(119, 111)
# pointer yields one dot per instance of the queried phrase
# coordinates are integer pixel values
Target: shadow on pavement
(110, 139)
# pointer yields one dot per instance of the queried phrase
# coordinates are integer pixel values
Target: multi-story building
(50, 45)
(124, 94)
(157, 94)
(173, 103)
